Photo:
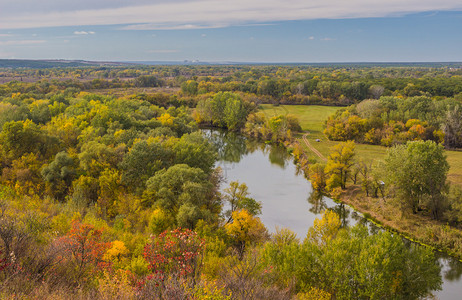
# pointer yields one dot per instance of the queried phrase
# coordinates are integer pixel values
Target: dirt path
(314, 150)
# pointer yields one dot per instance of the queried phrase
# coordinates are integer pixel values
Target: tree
(245, 229)
(170, 188)
(269, 87)
(196, 151)
(350, 263)
(324, 229)
(235, 113)
(189, 87)
(22, 137)
(59, 175)
(226, 110)
(83, 249)
(339, 163)
(317, 176)
(452, 128)
(376, 91)
(173, 253)
(143, 160)
(183, 192)
(95, 157)
(237, 197)
(418, 170)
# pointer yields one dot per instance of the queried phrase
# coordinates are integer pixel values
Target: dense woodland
(108, 189)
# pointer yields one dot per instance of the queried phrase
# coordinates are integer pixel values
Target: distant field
(312, 118)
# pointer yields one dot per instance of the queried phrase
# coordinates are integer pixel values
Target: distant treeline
(327, 85)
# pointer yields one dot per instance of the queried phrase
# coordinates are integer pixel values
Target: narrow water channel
(287, 197)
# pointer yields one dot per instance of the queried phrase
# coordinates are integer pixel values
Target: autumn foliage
(175, 252)
(84, 249)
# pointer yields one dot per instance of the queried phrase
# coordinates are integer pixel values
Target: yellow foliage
(116, 286)
(324, 229)
(139, 266)
(245, 227)
(208, 290)
(160, 221)
(440, 135)
(166, 119)
(117, 249)
(82, 94)
(314, 294)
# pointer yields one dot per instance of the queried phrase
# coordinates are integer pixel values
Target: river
(288, 200)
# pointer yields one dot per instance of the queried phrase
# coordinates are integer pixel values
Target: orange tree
(83, 249)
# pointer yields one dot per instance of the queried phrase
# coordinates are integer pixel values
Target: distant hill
(57, 63)
(61, 63)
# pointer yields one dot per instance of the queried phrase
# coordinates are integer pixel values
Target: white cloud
(194, 14)
(311, 38)
(164, 51)
(21, 42)
(84, 32)
(5, 35)
(203, 35)
(327, 39)
(170, 26)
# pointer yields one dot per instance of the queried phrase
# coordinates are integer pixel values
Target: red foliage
(173, 252)
(83, 247)
(3, 263)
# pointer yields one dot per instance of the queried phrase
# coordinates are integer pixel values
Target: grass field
(312, 119)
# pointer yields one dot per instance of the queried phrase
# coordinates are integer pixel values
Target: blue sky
(233, 30)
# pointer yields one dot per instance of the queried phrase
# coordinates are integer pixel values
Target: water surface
(288, 199)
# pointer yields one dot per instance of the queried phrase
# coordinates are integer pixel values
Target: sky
(281, 31)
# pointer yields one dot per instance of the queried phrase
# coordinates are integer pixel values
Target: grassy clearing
(312, 118)
(416, 227)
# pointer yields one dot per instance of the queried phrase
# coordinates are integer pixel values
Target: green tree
(237, 197)
(59, 175)
(22, 137)
(196, 151)
(418, 170)
(452, 128)
(235, 113)
(170, 188)
(95, 157)
(184, 192)
(144, 159)
(189, 87)
(350, 263)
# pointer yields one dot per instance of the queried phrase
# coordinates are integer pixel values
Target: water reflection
(317, 202)
(343, 213)
(288, 200)
(230, 146)
(453, 270)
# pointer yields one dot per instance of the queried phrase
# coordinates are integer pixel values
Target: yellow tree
(324, 229)
(245, 229)
(339, 163)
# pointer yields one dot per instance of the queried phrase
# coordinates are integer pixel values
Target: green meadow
(312, 119)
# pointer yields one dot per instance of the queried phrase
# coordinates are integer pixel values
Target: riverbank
(385, 212)
(415, 227)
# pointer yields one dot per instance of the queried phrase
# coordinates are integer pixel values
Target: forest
(109, 189)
